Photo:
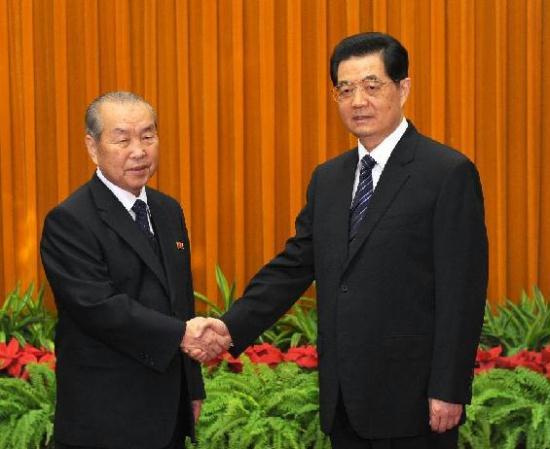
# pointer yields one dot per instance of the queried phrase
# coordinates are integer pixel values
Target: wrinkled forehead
(136, 116)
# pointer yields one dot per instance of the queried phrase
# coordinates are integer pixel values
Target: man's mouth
(361, 118)
(139, 169)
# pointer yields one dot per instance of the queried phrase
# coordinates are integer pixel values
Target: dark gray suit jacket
(122, 312)
(401, 308)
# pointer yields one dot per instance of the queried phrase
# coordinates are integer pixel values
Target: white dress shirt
(381, 153)
(126, 198)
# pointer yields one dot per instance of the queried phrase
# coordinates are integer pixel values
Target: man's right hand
(205, 338)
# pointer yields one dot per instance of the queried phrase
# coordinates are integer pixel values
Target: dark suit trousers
(177, 441)
(178, 438)
(344, 437)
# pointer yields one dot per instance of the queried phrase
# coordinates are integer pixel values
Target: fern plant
(261, 408)
(27, 409)
(509, 409)
(525, 325)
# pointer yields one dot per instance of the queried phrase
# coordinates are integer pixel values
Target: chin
(362, 134)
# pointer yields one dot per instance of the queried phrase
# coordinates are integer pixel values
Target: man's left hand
(444, 415)
(196, 405)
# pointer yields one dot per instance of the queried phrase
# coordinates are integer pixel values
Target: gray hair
(92, 119)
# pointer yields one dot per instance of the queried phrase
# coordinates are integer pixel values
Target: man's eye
(122, 141)
(345, 90)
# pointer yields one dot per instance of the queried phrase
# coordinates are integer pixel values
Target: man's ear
(91, 146)
(404, 89)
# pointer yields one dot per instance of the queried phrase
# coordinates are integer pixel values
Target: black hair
(394, 55)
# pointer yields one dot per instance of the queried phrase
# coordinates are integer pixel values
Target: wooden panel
(8, 274)
(533, 133)
(543, 180)
(242, 91)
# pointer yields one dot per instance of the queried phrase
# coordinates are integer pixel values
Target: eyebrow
(119, 131)
(368, 77)
(151, 127)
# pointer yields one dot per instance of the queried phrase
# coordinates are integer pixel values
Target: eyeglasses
(346, 90)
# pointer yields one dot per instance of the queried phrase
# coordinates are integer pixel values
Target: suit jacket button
(344, 288)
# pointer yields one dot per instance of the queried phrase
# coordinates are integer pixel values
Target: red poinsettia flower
(489, 355)
(234, 364)
(8, 352)
(303, 356)
(545, 357)
(14, 358)
(265, 353)
(16, 369)
(29, 349)
(545, 354)
(49, 359)
(486, 360)
(527, 359)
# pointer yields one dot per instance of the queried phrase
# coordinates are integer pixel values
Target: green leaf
(525, 325)
(27, 409)
(19, 338)
(260, 408)
(214, 310)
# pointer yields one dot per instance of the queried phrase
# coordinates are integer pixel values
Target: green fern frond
(27, 409)
(508, 408)
(261, 408)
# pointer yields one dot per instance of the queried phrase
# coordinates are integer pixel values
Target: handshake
(205, 339)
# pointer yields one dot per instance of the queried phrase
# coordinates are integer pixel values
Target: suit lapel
(113, 213)
(394, 177)
(167, 238)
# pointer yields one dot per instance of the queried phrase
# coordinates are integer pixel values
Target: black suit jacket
(401, 308)
(122, 312)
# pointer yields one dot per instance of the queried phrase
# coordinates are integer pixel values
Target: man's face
(371, 114)
(127, 151)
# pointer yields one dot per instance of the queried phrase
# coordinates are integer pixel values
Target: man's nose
(138, 149)
(359, 97)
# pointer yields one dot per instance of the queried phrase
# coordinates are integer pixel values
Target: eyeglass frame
(363, 83)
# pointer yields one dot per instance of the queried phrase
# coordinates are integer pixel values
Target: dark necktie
(362, 195)
(140, 209)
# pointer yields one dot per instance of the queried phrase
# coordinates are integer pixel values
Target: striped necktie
(362, 195)
(142, 220)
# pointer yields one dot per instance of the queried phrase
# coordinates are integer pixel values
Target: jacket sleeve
(279, 284)
(78, 274)
(461, 270)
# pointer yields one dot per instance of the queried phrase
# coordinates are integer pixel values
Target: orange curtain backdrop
(242, 92)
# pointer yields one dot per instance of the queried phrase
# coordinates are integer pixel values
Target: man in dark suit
(116, 254)
(393, 234)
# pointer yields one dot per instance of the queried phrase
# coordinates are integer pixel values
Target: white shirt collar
(382, 152)
(126, 198)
